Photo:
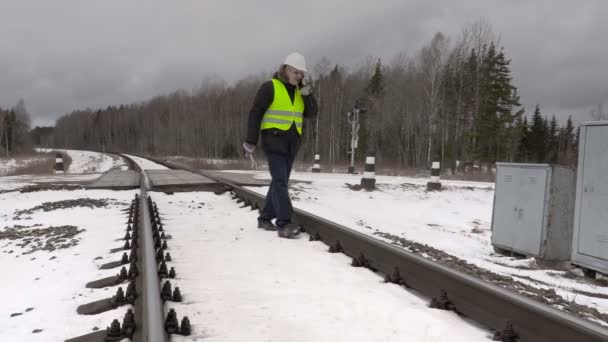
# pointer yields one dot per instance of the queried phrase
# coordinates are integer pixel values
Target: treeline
(545, 141)
(452, 101)
(15, 131)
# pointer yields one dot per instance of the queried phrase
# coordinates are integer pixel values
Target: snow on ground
(93, 162)
(90, 162)
(284, 272)
(146, 164)
(240, 283)
(16, 182)
(456, 220)
(213, 161)
(53, 282)
(8, 165)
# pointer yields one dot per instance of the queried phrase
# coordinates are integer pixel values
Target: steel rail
(149, 309)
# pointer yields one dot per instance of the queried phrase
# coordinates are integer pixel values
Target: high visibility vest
(282, 113)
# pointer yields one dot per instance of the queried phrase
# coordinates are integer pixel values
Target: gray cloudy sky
(63, 55)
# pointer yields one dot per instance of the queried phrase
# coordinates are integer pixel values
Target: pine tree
(576, 141)
(375, 87)
(4, 129)
(553, 141)
(567, 144)
(521, 127)
(545, 139)
(536, 140)
(570, 130)
(10, 122)
(496, 120)
(506, 99)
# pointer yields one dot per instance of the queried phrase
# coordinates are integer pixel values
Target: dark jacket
(275, 140)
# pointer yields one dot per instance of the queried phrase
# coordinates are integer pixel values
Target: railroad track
(144, 253)
(513, 317)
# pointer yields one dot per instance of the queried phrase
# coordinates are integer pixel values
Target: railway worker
(278, 110)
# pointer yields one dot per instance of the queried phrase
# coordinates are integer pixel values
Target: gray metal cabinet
(590, 241)
(533, 210)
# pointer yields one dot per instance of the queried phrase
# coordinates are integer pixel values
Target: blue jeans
(278, 204)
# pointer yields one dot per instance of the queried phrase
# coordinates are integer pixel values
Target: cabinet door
(593, 220)
(519, 208)
(530, 210)
(505, 201)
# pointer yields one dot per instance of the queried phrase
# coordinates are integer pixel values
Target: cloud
(65, 55)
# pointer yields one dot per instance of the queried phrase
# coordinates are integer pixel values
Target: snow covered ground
(213, 161)
(8, 165)
(456, 220)
(233, 275)
(42, 288)
(93, 162)
(16, 182)
(240, 283)
(83, 162)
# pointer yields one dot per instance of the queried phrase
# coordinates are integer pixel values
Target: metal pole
(355, 120)
(352, 147)
(318, 112)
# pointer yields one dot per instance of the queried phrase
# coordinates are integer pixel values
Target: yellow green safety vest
(282, 113)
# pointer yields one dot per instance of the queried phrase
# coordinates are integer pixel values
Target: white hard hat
(296, 60)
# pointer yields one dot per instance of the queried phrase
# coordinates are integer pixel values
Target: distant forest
(453, 101)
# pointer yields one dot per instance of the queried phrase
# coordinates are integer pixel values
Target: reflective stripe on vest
(282, 113)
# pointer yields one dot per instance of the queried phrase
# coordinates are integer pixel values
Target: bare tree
(432, 62)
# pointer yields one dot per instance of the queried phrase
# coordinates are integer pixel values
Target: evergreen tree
(487, 124)
(577, 139)
(536, 141)
(10, 122)
(506, 99)
(521, 126)
(4, 122)
(569, 144)
(545, 139)
(470, 105)
(375, 87)
(496, 119)
(553, 141)
(569, 141)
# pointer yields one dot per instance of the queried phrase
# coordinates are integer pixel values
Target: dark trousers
(278, 204)
(281, 148)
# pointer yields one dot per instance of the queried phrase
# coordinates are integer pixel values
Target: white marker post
(368, 182)
(316, 168)
(435, 182)
(59, 164)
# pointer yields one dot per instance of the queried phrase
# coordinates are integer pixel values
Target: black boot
(266, 225)
(289, 230)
